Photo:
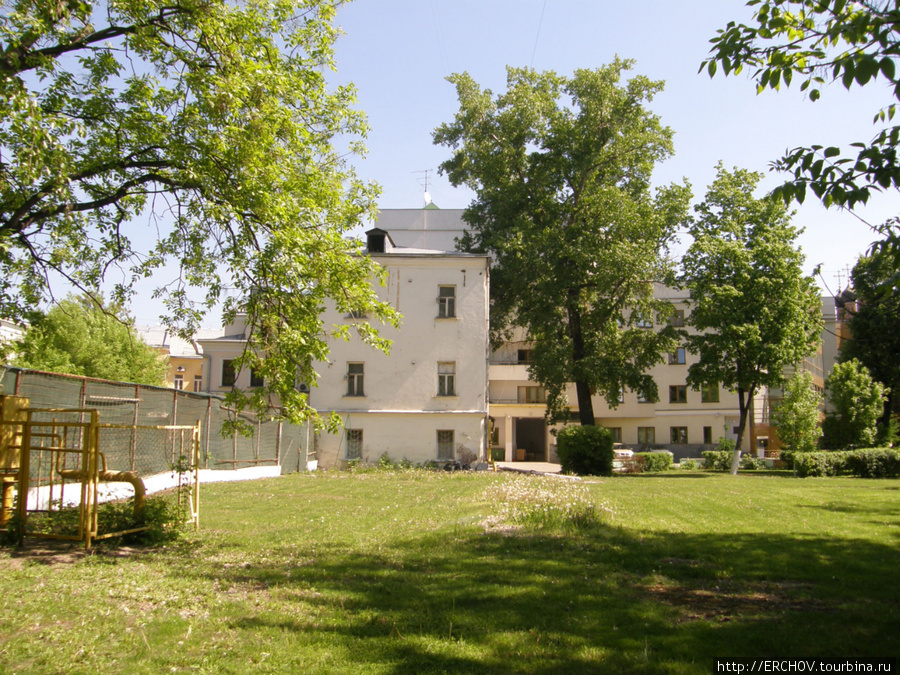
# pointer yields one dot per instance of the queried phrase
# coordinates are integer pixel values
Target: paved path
(528, 467)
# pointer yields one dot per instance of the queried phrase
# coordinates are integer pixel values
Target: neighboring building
(185, 359)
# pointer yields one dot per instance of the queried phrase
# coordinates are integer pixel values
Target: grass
(418, 572)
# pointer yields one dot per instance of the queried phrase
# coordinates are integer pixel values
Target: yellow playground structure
(55, 470)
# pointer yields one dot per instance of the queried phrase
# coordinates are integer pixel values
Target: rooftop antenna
(424, 181)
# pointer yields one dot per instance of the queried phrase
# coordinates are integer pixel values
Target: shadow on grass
(606, 600)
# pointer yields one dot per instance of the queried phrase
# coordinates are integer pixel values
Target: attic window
(375, 242)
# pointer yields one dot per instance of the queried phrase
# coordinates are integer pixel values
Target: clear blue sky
(399, 52)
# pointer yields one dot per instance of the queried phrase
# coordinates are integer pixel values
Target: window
(357, 314)
(707, 435)
(678, 393)
(256, 380)
(355, 379)
(354, 444)
(677, 318)
(644, 397)
(446, 302)
(532, 395)
(179, 382)
(446, 379)
(709, 393)
(445, 444)
(525, 356)
(676, 357)
(678, 435)
(646, 435)
(616, 434)
(643, 321)
(229, 376)
(198, 383)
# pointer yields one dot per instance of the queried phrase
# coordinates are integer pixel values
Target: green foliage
(858, 402)
(561, 171)
(78, 336)
(864, 463)
(753, 309)
(585, 451)
(653, 461)
(751, 463)
(874, 321)
(208, 127)
(797, 415)
(815, 43)
(718, 460)
(687, 465)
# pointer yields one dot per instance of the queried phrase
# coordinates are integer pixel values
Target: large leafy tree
(561, 171)
(796, 416)
(193, 142)
(874, 322)
(78, 336)
(810, 44)
(753, 310)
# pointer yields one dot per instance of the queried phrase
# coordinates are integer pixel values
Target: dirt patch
(50, 552)
(729, 601)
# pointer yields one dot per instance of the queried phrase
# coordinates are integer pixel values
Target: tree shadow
(602, 600)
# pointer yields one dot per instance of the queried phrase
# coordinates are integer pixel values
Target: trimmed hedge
(585, 451)
(653, 461)
(869, 463)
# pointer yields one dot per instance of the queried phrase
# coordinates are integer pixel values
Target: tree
(874, 338)
(561, 170)
(797, 415)
(818, 42)
(201, 133)
(753, 310)
(80, 337)
(857, 400)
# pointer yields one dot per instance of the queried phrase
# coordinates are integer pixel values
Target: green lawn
(391, 572)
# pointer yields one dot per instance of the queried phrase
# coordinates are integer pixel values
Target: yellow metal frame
(20, 431)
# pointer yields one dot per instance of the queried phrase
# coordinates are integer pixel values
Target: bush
(718, 460)
(653, 461)
(687, 465)
(868, 463)
(751, 463)
(586, 451)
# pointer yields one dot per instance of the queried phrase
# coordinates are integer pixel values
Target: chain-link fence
(273, 443)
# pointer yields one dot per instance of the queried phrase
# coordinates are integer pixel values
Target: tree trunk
(744, 408)
(582, 389)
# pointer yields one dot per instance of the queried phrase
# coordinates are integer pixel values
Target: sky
(398, 54)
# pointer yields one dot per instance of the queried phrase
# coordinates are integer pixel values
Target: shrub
(751, 463)
(718, 460)
(868, 463)
(687, 465)
(586, 451)
(653, 461)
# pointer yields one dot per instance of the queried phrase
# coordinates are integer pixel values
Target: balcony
(508, 371)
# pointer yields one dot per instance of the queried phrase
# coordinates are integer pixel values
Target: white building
(428, 399)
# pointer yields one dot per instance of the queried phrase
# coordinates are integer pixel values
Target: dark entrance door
(531, 436)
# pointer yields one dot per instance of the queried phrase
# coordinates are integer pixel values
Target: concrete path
(528, 467)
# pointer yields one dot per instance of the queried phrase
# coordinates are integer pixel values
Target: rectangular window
(707, 435)
(531, 395)
(678, 393)
(709, 393)
(646, 435)
(643, 321)
(357, 314)
(525, 356)
(445, 444)
(198, 383)
(677, 318)
(643, 397)
(446, 302)
(355, 379)
(256, 380)
(354, 444)
(229, 376)
(676, 357)
(616, 434)
(678, 435)
(446, 379)
(179, 382)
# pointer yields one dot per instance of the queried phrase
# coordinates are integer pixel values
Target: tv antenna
(424, 181)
